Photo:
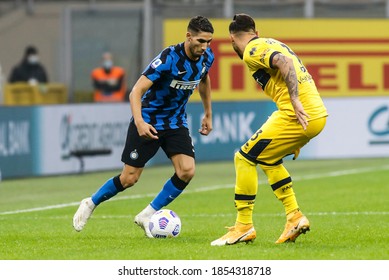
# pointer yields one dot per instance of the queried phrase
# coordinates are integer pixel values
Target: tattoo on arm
(288, 73)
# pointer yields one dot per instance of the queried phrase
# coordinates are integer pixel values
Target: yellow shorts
(278, 137)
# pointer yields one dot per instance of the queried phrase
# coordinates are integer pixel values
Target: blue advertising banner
(19, 140)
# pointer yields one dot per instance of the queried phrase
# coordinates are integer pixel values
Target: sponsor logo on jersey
(184, 85)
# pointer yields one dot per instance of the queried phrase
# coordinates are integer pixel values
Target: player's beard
(238, 52)
(194, 53)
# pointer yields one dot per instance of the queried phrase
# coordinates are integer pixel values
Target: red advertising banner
(345, 57)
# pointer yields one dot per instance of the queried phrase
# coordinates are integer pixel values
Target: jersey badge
(134, 154)
(253, 50)
(156, 63)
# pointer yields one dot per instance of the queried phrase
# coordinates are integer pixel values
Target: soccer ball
(165, 223)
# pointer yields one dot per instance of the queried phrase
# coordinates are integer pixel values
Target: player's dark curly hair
(200, 24)
(242, 22)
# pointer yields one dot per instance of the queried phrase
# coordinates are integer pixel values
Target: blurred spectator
(108, 81)
(29, 70)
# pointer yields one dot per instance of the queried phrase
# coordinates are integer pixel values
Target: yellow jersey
(258, 56)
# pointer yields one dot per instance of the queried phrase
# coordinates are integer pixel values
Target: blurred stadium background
(344, 44)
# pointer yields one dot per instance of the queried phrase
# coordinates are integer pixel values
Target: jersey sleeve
(259, 56)
(158, 66)
(210, 58)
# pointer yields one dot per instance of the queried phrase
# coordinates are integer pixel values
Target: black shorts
(138, 150)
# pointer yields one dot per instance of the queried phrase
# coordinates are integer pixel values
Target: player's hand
(206, 126)
(146, 130)
(302, 116)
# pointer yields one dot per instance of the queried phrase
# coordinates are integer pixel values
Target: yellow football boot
(296, 224)
(238, 233)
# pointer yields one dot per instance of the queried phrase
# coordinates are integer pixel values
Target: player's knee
(186, 173)
(128, 180)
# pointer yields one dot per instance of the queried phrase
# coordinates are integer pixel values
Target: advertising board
(346, 58)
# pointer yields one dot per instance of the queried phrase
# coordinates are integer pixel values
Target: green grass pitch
(346, 202)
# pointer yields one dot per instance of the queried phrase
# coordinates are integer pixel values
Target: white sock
(148, 211)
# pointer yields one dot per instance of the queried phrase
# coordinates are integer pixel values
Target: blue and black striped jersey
(174, 78)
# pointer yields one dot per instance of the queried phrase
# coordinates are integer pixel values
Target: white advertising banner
(48, 140)
(356, 127)
(92, 128)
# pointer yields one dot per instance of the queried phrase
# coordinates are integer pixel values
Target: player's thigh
(138, 150)
(177, 141)
(178, 146)
(278, 137)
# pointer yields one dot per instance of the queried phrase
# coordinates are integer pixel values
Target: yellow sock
(281, 183)
(246, 188)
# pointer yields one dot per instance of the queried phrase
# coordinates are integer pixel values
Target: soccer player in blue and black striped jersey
(158, 103)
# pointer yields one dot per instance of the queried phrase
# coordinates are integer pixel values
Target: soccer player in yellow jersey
(301, 116)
